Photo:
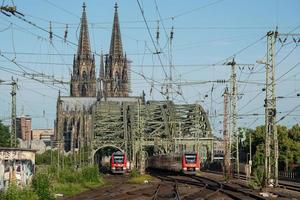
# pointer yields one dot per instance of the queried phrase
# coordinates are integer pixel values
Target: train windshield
(190, 158)
(118, 158)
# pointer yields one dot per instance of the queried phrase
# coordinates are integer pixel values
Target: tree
(294, 133)
(4, 135)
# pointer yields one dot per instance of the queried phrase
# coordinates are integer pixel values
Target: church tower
(115, 76)
(83, 79)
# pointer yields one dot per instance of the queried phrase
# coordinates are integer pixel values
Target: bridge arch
(101, 156)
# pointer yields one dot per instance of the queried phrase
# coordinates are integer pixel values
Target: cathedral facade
(74, 113)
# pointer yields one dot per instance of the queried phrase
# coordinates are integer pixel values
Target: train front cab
(190, 163)
(118, 163)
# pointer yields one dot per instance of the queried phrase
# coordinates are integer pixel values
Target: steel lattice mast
(227, 153)
(270, 109)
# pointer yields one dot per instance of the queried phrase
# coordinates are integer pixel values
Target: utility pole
(233, 114)
(233, 109)
(270, 109)
(250, 154)
(227, 153)
(13, 135)
(270, 104)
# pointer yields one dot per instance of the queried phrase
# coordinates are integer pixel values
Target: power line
(151, 37)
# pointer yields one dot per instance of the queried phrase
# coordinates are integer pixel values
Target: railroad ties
(206, 188)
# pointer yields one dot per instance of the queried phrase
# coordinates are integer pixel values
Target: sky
(207, 34)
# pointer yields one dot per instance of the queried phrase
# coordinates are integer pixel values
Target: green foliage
(288, 142)
(69, 189)
(44, 158)
(90, 174)
(294, 133)
(69, 175)
(141, 179)
(258, 180)
(54, 157)
(41, 185)
(71, 181)
(134, 173)
(137, 178)
(16, 193)
(4, 135)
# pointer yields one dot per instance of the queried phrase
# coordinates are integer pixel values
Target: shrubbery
(90, 174)
(134, 173)
(15, 193)
(41, 185)
(67, 181)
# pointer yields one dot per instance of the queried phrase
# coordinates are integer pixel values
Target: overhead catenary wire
(151, 37)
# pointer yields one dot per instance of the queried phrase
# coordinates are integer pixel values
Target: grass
(70, 182)
(70, 189)
(141, 179)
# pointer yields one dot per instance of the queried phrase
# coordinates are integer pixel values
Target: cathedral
(74, 113)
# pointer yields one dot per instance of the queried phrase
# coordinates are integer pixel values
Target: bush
(41, 185)
(134, 173)
(15, 193)
(90, 174)
(44, 158)
(69, 175)
(259, 178)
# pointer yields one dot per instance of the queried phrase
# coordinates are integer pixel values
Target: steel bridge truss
(162, 125)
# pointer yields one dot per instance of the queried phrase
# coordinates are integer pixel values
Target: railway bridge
(142, 128)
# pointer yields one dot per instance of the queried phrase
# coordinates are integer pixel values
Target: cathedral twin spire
(116, 83)
(83, 79)
(84, 48)
(116, 49)
(113, 68)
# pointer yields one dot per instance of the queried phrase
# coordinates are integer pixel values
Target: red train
(118, 163)
(188, 163)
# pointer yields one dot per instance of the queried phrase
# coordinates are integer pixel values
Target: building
(45, 135)
(23, 127)
(16, 164)
(83, 78)
(110, 117)
(114, 68)
(73, 124)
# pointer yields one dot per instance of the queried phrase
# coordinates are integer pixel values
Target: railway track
(289, 185)
(174, 192)
(282, 184)
(210, 189)
(229, 190)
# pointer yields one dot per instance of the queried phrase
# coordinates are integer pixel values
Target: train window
(118, 159)
(190, 158)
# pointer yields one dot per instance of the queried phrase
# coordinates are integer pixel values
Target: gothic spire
(116, 50)
(84, 40)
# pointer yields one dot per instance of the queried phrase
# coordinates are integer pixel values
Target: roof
(16, 149)
(77, 103)
(122, 99)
